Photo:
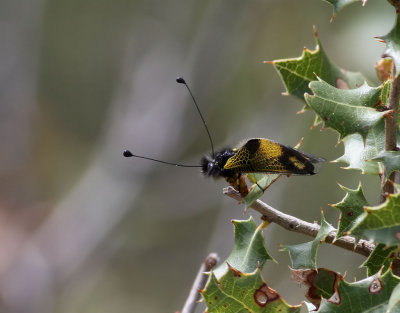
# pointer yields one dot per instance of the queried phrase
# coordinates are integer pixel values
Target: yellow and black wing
(264, 155)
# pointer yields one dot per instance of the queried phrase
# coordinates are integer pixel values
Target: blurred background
(83, 229)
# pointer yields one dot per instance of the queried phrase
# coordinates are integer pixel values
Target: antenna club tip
(180, 80)
(127, 153)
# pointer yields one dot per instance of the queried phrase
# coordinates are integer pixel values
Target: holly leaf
(390, 160)
(304, 255)
(351, 207)
(346, 111)
(384, 215)
(380, 258)
(371, 294)
(321, 283)
(381, 223)
(297, 73)
(389, 236)
(357, 152)
(392, 40)
(243, 292)
(394, 301)
(249, 251)
(237, 285)
(261, 182)
(340, 4)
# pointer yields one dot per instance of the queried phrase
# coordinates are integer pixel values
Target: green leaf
(346, 111)
(325, 282)
(392, 40)
(357, 152)
(380, 258)
(304, 255)
(371, 294)
(238, 292)
(297, 73)
(382, 220)
(389, 236)
(384, 215)
(390, 159)
(394, 301)
(351, 207)
(249, 251)
(321, 283)
(340, 4)
(263, 181)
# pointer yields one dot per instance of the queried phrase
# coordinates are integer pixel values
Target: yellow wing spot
(297, 163)
(270, 149)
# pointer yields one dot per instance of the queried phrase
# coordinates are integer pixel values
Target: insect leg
(242, 186)
(238, 182)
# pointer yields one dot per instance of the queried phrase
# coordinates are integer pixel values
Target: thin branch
(201, 278)
(391, 131)
(291, 223)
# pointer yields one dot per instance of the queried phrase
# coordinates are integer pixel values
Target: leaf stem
(201, 278)
(391, 131)
(291, 223)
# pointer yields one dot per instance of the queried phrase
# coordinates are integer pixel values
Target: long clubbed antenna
(129, 154)
(180, 80)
